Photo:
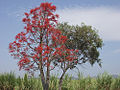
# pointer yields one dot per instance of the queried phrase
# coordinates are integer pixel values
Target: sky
(100, 14)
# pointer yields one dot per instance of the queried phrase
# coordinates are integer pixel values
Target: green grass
(104, 81)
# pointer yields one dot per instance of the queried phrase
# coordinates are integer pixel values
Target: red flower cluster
(23, 61)
(41, 41)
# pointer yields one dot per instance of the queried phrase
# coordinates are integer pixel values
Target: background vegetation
(104, 81)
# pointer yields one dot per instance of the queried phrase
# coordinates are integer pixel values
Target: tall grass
(101, 82)
(104, 81)
(7, 81)
(116, 84)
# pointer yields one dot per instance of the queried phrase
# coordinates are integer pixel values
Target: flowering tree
(41, 45)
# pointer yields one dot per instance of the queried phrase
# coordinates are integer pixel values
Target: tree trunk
(60, 84)
(42, 76)
(45, 81)
(47, 77)
(45, 84)
(61, 79)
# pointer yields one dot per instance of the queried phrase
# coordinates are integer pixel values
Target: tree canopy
(85, 39)
(45, 44)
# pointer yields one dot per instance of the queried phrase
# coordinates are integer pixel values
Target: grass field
(104, 81)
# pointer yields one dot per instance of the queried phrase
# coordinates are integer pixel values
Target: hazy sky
(104, 15)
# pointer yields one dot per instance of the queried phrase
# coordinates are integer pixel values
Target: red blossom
(53, 7)
(32, 10)
(47, 48)
(20, 41)
(46, 58)
(48, 64)
(45, 52)
(39, 49)
(76, 50)
(34, 22)
(76, 62)
(26, 14)
(41, 41)
(54, 53)
(57, 15)
(14, 42)
(24, 19)
(10, 46)
(18, 45)
(24, 60)
(12, 51)
(53, 17)
(31, 66)
(27, 69)
(54, 38)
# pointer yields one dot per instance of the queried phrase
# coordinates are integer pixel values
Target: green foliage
(85, 39)
(53, 83)
(26, 82)
(7, 81)
(116, 84)
(101, 82)
(66, 82)
(84, 83)
(104, 81)
(20, 83)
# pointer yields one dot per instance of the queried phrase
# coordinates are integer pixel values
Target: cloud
(106, 20)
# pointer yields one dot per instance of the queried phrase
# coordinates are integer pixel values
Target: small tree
(42, 46)
(85, 39)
